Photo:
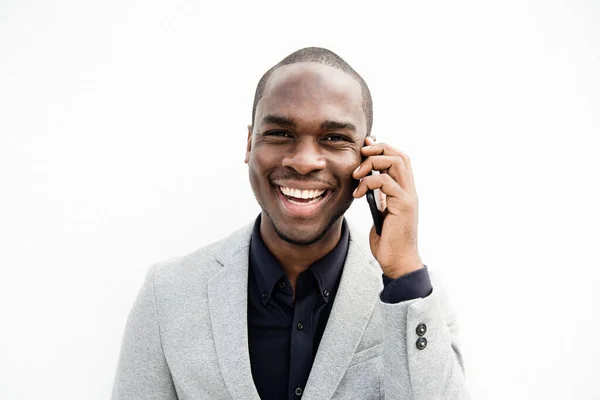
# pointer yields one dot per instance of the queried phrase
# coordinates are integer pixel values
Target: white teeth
(308, 202)
(301, 194)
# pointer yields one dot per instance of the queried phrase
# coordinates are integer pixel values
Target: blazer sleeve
(142, 371)
(418, 369)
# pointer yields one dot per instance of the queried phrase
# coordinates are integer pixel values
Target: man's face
(303, 147)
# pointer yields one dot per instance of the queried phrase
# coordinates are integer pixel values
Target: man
(290, 306)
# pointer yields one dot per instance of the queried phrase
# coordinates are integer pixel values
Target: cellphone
(375, 213)
(373, 200)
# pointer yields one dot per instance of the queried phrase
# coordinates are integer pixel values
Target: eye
(282, 134)
(337, 138)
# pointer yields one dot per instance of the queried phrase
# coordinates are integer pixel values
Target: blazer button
(298, 391)
(421, 343)
(421, 329)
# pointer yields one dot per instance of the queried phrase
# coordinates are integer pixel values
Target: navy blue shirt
(284, 333)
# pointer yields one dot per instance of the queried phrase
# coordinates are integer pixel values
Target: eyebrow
(279, 120)
(335, 125)
(328, 125)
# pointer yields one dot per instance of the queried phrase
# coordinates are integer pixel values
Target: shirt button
(300, 327)
(421, 343)
(421, 329)
(298, 391)
(282, 284)
(265, 295)
(326, 293)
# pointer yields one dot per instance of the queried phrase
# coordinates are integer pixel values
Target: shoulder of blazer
(204, 261)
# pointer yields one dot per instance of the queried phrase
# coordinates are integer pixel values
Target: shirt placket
(301, 348)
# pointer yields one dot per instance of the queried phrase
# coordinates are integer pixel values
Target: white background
(123, 128)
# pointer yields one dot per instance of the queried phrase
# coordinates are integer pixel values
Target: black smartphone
(373, 200)
(375, 213)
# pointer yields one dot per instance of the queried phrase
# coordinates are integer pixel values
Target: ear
(249, 144)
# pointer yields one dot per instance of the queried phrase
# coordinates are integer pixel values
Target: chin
(300, 238)
(296, 233)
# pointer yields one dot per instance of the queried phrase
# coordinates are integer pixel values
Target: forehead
(311, 92)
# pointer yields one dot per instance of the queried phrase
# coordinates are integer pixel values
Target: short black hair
(321, 56)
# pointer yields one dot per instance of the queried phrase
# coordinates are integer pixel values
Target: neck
(294, 258)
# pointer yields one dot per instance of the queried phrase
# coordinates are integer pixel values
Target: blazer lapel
(352, 308)
(227, 297)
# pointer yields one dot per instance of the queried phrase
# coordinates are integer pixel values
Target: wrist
(403, 267)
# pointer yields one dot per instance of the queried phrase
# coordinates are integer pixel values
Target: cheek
(347, 168)
(261, 163)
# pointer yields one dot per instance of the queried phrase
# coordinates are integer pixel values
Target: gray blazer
(187, 338)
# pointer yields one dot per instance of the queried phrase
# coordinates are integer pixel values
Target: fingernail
(356, 170)
(355, 191)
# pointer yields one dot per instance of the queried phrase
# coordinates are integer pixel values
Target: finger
(392, 165)
(379, 148)
(383, 182)
(387, 150)
(408, 166)
(370, 140)
(384, 149)
(382, 200)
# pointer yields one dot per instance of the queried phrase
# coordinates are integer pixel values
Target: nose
(305, 157)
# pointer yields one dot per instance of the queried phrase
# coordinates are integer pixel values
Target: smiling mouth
(300, 197)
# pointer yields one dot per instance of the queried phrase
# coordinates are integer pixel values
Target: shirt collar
(268, 271)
